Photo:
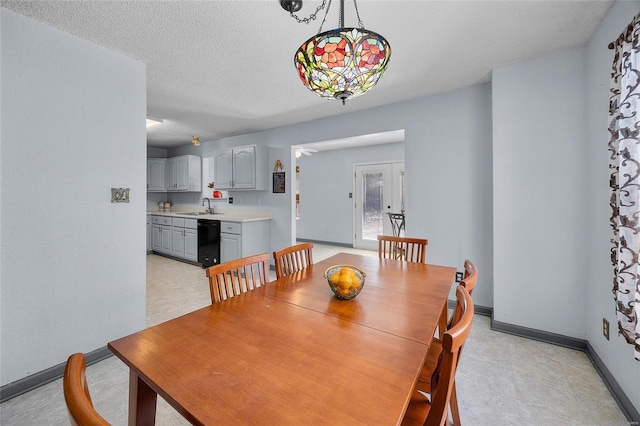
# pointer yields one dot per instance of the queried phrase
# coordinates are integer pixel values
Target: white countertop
(227, 215)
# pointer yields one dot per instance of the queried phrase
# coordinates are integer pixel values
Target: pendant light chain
(325, 17)
(311, 17)
(358, 15)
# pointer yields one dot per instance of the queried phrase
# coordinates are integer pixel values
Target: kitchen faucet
(209, 209)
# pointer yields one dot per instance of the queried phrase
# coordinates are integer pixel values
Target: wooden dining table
(291, 353)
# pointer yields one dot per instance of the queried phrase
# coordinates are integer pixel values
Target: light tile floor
(502, 379)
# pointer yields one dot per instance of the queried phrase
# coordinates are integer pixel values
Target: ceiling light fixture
(153, 121)
(305, 151)
(342, 63)
(195, 140)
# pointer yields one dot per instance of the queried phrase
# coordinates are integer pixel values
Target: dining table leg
(142, 402)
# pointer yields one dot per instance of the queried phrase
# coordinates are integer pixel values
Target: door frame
(396, 166)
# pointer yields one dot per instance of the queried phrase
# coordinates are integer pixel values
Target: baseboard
(627, 408)
(328, 243)
(477, 309)
(543, 336)
(618, 394)
(36, 380)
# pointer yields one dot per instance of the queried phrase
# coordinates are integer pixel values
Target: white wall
(615, 353)
(539, 193)
(326, 179)
(72, 264)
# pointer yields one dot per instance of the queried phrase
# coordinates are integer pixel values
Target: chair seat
(417, 411)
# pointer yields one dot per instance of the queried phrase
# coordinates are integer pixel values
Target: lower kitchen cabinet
(149, 234)
(175, 237)
(230, 246)
(184, 240)
(161, 234)
(242, 239)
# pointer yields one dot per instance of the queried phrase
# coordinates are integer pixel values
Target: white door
(378, 190)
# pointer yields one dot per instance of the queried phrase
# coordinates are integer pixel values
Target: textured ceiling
(223, 68)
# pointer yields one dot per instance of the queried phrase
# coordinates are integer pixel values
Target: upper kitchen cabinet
(156, 177)
(242, 167)
(184, 173)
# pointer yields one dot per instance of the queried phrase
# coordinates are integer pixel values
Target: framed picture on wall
(278, 183)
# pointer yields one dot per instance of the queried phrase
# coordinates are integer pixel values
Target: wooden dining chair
(470, 275)
(237, 276)
(424, 381)
(402, 248)
(76, 394)
(434, 409)
(293, 259)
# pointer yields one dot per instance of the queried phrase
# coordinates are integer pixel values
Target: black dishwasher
(208, 242)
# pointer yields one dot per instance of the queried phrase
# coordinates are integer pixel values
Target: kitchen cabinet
(149, 234)
(184, 173)
(230, 241)
(184, 239)
(161, 234)
(242, 167)
(242, 239)
(156, 174)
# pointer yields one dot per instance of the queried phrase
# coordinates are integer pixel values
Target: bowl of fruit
(346, 281)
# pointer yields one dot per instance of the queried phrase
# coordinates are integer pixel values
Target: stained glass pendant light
(342, 63)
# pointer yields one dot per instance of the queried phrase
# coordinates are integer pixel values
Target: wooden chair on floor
(402, 248)
(424, 381)
(434, 410)
(237, 276)
(293, 259)
(76, 394)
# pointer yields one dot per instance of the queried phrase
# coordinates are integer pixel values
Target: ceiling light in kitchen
(153, 121)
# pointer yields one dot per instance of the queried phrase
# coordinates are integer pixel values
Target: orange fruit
(345, 281)
(335, 278)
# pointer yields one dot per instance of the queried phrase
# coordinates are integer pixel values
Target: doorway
(378, 190)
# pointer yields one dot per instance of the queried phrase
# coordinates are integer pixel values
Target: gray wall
(539, 193)
(615, 353)
(72, 266)
(552, 266)
(326, 179)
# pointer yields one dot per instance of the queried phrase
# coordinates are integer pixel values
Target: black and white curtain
(624, 165)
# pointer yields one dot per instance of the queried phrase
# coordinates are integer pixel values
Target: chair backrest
(76, 394)
(292, 259)
(237, 276)
(402, 248)
(470, 276)
(443, 377)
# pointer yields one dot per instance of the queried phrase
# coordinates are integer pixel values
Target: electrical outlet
(459, 276)
(230, 200)
(605, 328)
